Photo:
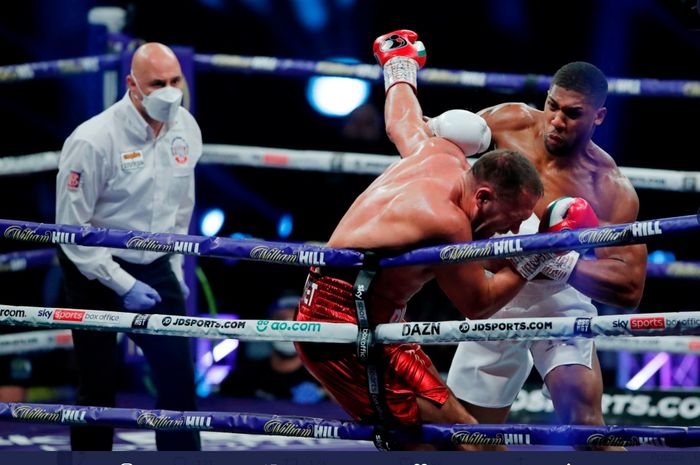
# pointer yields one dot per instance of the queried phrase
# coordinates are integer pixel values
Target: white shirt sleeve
(75, 202)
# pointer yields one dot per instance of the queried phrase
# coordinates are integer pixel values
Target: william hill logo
(278, 255)
(18, 233)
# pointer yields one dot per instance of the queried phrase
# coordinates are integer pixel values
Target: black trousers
(169, 357)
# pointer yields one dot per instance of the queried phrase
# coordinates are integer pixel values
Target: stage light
(285, 224)
(648, 371)
(336, 96)
(661, 256)
(211, 222)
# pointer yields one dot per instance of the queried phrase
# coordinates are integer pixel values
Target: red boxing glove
(401, 55)
(568, 213)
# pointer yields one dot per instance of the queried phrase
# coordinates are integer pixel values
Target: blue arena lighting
(336, 96)
(211, 222)
(285, 225)
(661, 256)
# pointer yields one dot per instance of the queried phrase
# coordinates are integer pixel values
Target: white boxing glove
(561, 267)
(529, 266)
(467, 130)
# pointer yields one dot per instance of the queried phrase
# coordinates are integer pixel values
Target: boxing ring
(677, 332)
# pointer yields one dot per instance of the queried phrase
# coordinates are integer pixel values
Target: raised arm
(401, 55)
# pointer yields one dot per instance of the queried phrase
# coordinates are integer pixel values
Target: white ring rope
(436, 332)
(672, 344)
(35, 341)
(340, 162)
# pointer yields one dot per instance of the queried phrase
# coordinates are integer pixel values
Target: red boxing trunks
(407, 369)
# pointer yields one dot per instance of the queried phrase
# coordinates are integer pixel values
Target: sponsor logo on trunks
(204, 323)
(582, 326)
(152, 420)
(277, 255)
(198, 422)
(465, 437)
(464, 327)
(287, 428)
(309, 291)
(73, 416)
(603, 235)
(613, 440)
(423, 329)
(18, 233)
(68, 315)
(647, 323)
(12, 312)
(514, 326)
(300, 326)
(141, 320)
(45, 313)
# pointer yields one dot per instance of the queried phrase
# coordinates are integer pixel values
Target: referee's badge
(180, 150)
(132, 161)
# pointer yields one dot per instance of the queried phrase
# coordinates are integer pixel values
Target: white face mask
(285, 348)
(161, 104)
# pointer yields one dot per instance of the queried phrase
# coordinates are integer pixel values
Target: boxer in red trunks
(430, 196)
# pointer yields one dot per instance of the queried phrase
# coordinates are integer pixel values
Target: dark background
(626, 38)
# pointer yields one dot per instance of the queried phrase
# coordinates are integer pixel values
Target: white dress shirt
(113, 172)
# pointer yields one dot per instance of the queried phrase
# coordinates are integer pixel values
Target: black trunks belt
(369, 354)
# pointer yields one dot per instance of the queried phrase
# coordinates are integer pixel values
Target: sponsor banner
(620, 407)
(680, 323)
(474, 330)
(272, 330)
(273, 252)
(651, 324)
(181, 326)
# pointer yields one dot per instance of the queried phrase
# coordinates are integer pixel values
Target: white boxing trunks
(491, 373)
